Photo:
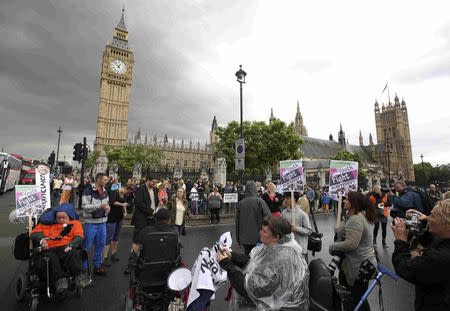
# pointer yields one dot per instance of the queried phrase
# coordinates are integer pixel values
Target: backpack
(426, 201)
(21, 246)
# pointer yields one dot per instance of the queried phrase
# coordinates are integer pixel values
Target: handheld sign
(28, 201)
(291, 176)
(343, 178)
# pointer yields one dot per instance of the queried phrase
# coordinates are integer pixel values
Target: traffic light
(51, 159)
(78, 153)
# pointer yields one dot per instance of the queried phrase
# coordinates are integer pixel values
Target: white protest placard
(28, 201)
(230, 198)
(43, 182)
(291, 176)
(343, 176)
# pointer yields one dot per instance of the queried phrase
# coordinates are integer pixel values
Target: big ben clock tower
(115, 85)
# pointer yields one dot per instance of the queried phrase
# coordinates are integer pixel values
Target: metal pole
(57, 150)
(242, 132)
(423, 170)
(81, 185)
(389, 169)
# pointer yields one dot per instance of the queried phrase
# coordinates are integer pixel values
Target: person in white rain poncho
(275, 275)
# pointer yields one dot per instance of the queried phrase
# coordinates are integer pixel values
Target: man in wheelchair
(62, 251)
(159, 255)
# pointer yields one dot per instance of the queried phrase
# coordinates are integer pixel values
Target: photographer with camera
(357, 246)
(428, 267)
(405, 199)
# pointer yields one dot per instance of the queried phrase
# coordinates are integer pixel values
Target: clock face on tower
(118, 66)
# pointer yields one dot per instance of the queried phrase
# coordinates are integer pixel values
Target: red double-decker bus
(27, 165)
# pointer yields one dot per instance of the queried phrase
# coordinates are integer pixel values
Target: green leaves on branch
(427, 174)
(128, 156)
(265, 144)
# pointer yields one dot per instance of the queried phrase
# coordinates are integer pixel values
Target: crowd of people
(269, 226)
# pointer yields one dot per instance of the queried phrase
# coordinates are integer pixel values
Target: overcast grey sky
(335, 57)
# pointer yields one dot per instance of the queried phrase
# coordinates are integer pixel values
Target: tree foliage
(426, 174)
(345, 155)
(265, 144)
(91, 159)
(129, 155)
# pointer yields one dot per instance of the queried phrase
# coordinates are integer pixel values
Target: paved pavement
(108, 292)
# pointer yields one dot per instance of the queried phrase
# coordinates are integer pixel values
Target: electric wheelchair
(36, 283)
(159, 256)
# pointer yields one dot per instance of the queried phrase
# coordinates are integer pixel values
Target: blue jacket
(408, 199)
(49, 216)
(92, 202)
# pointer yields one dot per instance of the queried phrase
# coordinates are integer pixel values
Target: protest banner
(43, 182)
(230, 198)
(291, 176)
(343, 176)
(28, 201)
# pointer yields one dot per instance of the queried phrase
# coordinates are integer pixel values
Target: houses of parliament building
(390, 156)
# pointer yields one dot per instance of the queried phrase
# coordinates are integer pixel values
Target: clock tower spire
(116, 77)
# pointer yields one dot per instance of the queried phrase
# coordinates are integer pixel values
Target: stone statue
(101, 165)
(113, 168)
(177, 171)
(220, 171)
(137, 171)
(268, 173)
(204, 171)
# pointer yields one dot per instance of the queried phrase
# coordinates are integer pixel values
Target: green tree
(265, 144)
(426, 174)
(91, 159)
(129, 155)
(345, 155)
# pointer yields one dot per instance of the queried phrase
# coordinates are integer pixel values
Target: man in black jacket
(428, 267)
(145, 202)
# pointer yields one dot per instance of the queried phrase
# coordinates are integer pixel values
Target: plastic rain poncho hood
(276, 277)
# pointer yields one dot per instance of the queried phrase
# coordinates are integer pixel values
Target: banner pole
(30, 229)
(339, 212)
(292, 207)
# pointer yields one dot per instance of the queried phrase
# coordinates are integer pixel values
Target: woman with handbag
(357, 246)
(178, 209)
(301, 227)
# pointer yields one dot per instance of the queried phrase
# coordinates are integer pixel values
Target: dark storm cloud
(50, 57)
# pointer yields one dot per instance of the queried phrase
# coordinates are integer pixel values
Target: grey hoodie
(249, 216)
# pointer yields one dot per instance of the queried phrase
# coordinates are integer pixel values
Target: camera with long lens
(367, 271)
(336, 262)
(413, 223)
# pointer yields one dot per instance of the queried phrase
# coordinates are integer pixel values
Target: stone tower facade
(393, 137)
(299, 127)
(115, 85)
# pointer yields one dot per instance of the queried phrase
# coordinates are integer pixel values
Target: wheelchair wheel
(21, 286)
(34, 304)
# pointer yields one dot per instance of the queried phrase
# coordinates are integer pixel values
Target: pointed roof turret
(370, 139)
(298, 106)
(214, 125)
(121, 24)
(361, 142)
(271, 115)
(166, 140)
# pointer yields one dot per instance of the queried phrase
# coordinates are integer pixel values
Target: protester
(303, 203)
(95, 205)
(63, 253)
(434, 195)
(428, 267)
(311, 196)
(118, 203)
(273, 199)
(146, 201)
(57, 188)
(162, 194)
(301, 227)
(405, 199)
(193, 196)
(326, 202)
(178, 209)
(214, 204)
(357, 246)
(275, 275)
(380, 204)
(67, 189)
(249, 217)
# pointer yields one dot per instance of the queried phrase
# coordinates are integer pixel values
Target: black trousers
(358, 289)
(59, 262)
(383, 230)
(214, 214)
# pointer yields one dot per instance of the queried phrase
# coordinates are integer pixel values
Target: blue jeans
(94, 234)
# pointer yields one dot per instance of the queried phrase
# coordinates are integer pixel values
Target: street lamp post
(240, 75)
(423, 170)
(57, 150)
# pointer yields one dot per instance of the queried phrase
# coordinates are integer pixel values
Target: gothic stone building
(390, 157)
